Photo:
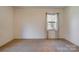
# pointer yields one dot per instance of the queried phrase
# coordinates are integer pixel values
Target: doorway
(52, 25)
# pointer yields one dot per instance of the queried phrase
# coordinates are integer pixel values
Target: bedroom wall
(6, 24)
(30, 22)
(71, 27)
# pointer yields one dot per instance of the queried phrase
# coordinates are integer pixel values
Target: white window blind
(52, 21)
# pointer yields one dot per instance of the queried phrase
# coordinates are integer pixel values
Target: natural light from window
(52, 21)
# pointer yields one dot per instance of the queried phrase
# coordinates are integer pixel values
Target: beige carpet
(41, 45)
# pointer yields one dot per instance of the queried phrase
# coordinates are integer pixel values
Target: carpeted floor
(41, 45)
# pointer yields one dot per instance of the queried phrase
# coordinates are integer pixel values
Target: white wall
(72, 24)
(30, 22)
(6, 24)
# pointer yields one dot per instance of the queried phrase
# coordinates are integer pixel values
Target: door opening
(52, 25)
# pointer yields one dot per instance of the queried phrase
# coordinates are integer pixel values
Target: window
(51, 21)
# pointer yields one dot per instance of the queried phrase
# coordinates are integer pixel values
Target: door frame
(56, 32)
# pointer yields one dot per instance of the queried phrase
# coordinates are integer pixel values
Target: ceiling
(39, 6)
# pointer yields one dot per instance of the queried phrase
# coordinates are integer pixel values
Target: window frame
(51, 21)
